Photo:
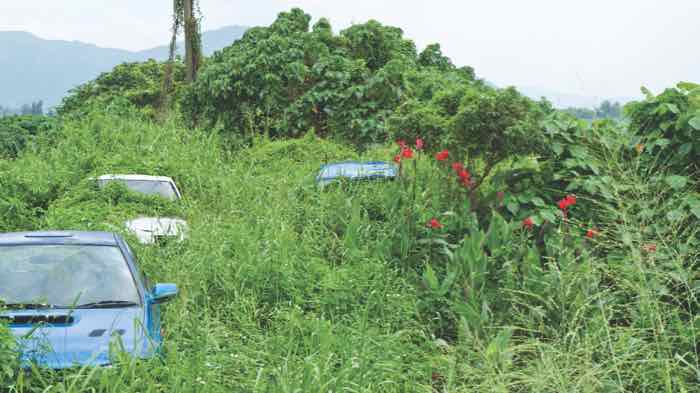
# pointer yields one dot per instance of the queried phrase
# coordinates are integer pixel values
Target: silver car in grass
(151, 230)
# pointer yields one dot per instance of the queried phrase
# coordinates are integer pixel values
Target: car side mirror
(164, 292)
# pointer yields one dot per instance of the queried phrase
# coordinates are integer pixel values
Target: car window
(139, 273)
(64, 275)
(147, 187)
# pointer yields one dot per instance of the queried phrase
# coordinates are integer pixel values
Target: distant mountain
(568, 100)
(211, 42)
(32, 68)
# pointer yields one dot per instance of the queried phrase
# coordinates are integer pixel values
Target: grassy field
(288, 289)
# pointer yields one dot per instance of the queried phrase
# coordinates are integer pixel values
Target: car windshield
(148, 187)
(64, 275)
(357, 170)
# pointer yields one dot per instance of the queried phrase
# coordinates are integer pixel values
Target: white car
(151, 230)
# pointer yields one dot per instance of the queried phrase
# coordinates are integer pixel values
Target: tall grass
(288, 289)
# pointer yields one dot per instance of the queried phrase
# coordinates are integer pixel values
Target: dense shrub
(17, 132)
(141, 84)
(669, 124)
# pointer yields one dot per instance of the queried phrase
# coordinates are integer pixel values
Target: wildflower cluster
(406, 151)
(567, 202)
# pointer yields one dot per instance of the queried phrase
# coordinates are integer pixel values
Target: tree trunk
(191, 41)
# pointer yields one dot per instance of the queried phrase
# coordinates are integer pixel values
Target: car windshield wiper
(108, 304)
(27, 306)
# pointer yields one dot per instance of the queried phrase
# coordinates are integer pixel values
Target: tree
(609, 110)
(184, 16)
(193, 43)
(34, 108)
(581, 113)
(287, 78)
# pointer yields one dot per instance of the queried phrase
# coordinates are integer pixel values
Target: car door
(152, 319)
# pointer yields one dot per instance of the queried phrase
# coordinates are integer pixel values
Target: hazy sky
(603, 48)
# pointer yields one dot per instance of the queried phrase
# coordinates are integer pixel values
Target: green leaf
(696, 211)
(662, 142)
(688, 86)
(676, 182)
(685, 149)
(513, 207)
(557, 148)
(548, 215)
(537, 201)
(675, 215)
(578, 152)
(693, 201)
(627, 239)
(695, 123)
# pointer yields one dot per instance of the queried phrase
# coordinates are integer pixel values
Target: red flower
(419, 144)
(443, 155)
(457, 167)
(591, 233)
(500, 195)
(397, 158)
(401, 143)
(407, 153)
(434, 223)
(565, 203)
(465, 178)
(528, 223)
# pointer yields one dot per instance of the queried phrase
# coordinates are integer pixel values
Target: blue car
(71, 298)
(355, 170)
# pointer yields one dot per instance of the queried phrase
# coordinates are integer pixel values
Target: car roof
(59, 237)
(135, 177)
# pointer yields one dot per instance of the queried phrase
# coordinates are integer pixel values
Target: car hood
(80, 337)
(148, 229)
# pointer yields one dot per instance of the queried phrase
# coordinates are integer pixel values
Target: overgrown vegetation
(19, 132)
(521, 250)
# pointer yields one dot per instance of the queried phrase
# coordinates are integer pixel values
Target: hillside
(33, 69)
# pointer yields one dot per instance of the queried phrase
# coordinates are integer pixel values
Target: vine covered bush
(140, 84)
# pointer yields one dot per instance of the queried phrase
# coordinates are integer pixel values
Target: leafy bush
(141, 84)
(669, 124)
(17, 132)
